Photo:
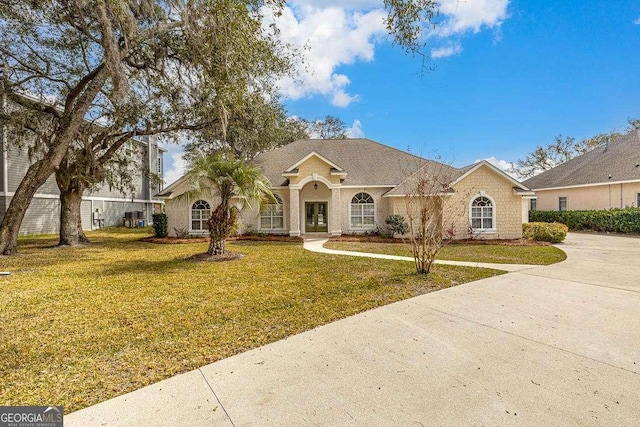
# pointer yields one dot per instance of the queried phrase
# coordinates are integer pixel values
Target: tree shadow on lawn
(176, 264)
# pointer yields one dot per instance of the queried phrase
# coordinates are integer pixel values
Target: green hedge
(544, 232)
(160, 224)
(625, 220)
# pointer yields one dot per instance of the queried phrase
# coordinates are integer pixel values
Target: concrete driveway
(555, 345)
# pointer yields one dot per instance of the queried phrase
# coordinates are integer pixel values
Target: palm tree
(227, 178)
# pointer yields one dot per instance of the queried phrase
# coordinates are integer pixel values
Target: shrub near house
(625, 220)
(544, 232)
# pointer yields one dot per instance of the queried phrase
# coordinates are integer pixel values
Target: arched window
(362, 211)
(482, 214)
(200, 213)
(272, 215)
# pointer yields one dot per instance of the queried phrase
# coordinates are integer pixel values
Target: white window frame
(202, 221)
(267, 212)
(362, 226)
(533, 205)
(483, 230)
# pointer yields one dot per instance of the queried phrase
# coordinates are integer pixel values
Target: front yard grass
(500, 254)
(82, 325)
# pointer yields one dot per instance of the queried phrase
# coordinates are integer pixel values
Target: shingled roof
(619, 161)
(366, 162)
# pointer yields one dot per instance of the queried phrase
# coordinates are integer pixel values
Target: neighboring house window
(533, 204)
(362, 211)
(272, 215)
(562, 204)
(638, 201)
(200, 213)
(482, 214)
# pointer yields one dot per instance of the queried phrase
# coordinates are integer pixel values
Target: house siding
(42, 217)
(597, 197)
(113, 204)
(508, 206)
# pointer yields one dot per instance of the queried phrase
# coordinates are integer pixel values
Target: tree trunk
(36, 175)
(71, 233)
(40, 171)
(216, 246)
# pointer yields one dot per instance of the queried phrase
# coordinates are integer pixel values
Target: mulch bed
(343, 238)
(176, 240)
(501, 242)
(205, 257)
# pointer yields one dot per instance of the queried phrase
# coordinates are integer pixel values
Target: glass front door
(316, 217)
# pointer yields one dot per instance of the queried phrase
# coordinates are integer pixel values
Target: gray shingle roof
(619, 161)
(366, 162)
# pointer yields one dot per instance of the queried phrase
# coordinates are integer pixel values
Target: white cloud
(444, 51)
(471, 15)
(504, 165)
(637, 21)
(355, 131)
(328, 38)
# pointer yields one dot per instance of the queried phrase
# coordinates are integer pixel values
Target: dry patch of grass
(82, 325)
(474, 252)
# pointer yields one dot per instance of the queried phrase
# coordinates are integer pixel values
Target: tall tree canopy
(127, 68)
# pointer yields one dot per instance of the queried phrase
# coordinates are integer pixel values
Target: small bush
(397, 225)
(160, 224)
(553, 232)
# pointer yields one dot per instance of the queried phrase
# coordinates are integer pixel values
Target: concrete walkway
(317, 245)
(552, 345)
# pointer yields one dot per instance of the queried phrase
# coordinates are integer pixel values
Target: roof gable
(468, 170)
(310, 155)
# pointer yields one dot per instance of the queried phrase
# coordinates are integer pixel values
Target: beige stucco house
(604, 178)
(351, 186)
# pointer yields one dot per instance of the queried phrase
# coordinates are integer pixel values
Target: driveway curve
(550, 345)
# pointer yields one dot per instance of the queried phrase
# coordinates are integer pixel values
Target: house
(100, 207)
(604, 178)
(351, 186)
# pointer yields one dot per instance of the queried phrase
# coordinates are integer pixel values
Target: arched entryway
(315, 197)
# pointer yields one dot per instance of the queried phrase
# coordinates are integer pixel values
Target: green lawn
(501, 254)
(81, 325)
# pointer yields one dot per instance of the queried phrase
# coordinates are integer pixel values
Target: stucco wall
(383, 207)
(595, 197)
(179, 214)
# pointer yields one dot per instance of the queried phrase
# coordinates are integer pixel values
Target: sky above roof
(503, 75)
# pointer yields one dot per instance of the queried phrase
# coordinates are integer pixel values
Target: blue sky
(507, 75)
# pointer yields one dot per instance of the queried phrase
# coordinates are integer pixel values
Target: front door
(316, 217)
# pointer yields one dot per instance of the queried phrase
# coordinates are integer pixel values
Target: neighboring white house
(102, 207)
(351, 186)
(604, 178)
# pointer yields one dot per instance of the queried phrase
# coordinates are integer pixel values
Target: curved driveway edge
(317, 245)
(551, 345)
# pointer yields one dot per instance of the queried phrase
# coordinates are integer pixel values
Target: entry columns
(294, 212)
(336, 216)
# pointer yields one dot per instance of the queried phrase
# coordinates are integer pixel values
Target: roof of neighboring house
(618, 161)
(366, 162)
